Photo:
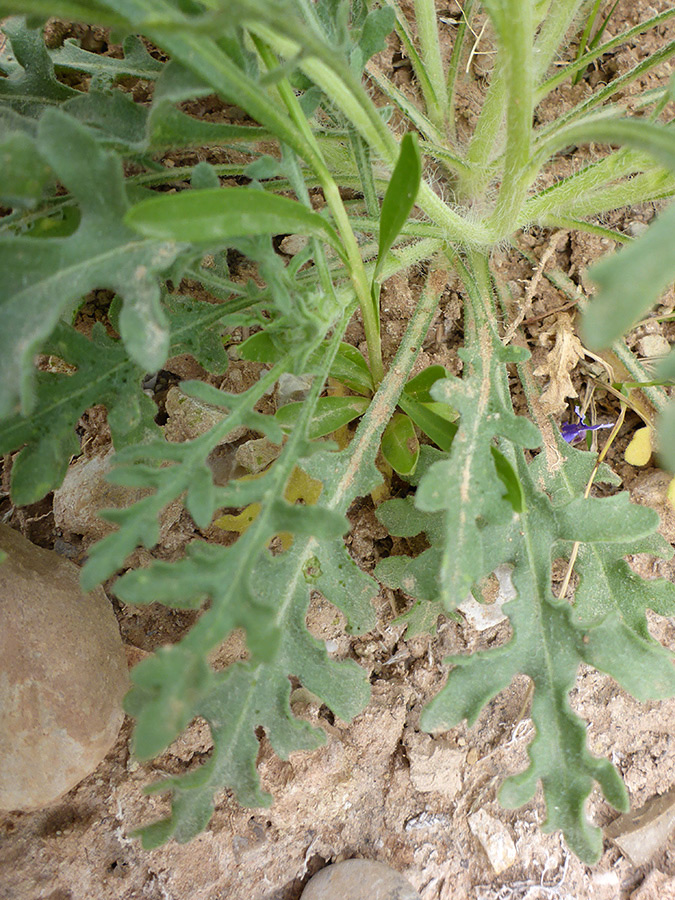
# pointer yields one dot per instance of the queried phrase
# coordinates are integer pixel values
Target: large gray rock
(63, 675)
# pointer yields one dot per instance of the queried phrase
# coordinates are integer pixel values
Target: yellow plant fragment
(300, 486)
(239, 522)
(670, 493)
(639, 451)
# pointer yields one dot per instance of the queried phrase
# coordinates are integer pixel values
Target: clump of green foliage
(497, 488)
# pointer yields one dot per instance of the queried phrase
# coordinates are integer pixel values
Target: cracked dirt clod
(63, 675)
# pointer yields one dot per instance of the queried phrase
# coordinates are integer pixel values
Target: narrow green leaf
(331, 413)
(666, 432)
(657, 140)
(399, 198)
(433, 418)
(209, 216)
(201, 499)
(507, 474)
(351, 369)
(400, 446)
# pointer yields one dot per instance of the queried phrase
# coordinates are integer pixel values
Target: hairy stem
(427, 29)
(331, 192)
(515, 31)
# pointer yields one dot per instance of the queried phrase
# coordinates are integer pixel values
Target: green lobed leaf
(551, 637)
(269, 595)
(168, 126)
(466, 484)
(43, 278)
(114, 118)
(24, 175)
(136, 62)
(246, 696)
(104, 374)
(31, 86)
(209, 216)
(138, 523)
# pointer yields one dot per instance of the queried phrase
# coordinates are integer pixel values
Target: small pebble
(495, 840)
(653, 346)
(635, 229)
(293, 388)
(359, 879)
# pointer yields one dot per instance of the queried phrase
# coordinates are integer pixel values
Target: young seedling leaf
(436, 420)
(331, 413)
(351, 369)
(418, 387)
(400, 446)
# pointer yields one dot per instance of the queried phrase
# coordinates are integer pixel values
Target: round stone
(63, 675)
(359, 879)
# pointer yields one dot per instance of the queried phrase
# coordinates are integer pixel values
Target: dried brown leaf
(561, 361)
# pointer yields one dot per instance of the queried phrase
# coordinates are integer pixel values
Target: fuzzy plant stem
(472, 184)
(583, 190)
(558, 21)
(427, 30)
(349, 96)
(514, 24)
(331, 192)
(454, 64)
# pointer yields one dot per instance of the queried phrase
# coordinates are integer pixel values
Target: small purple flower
(574, 431)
